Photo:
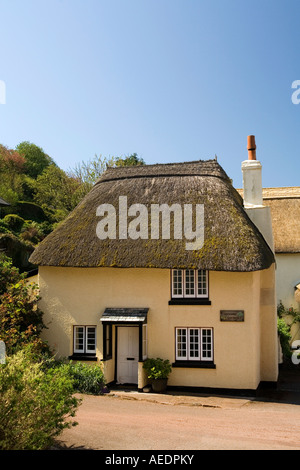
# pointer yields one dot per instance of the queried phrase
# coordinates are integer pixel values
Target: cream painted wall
(73, 296)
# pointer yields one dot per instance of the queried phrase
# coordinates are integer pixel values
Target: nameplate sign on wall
(232, 315)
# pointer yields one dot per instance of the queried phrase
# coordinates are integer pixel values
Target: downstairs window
(194, 347)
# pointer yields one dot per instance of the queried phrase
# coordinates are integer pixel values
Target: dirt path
(136, 422)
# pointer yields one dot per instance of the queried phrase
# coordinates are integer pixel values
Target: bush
(35, 403)
(87, 379)
(4, 228)
(14, 222)
(157, 368)
(21, 321)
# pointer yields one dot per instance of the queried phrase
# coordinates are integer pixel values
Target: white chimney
(252, 182)
(253, 194)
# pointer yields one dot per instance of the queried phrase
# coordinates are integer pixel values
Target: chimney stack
(252, 181)
(251, 147)
(253, 196)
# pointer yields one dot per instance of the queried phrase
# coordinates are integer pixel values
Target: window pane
(194, 352)
(90, 339)
(202, 283)
(181, 346)
(177, 282)
(108, 340)
(206, 343)
(189, 282)
(79, 339)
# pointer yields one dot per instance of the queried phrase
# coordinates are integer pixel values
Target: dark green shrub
(14, 222)
(157, 368)
(36, 404)
(3, 227)
(87, 379)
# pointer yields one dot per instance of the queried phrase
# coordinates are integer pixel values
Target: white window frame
(178, 296)
(85, 349)
(185, 284)
(188, 357)
(196, 294)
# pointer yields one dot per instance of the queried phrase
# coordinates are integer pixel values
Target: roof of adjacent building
(284, 203)
(285, 212)
(231, 241)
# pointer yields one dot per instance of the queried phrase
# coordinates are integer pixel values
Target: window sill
(189, 301)
(195, 364)
(83, 357)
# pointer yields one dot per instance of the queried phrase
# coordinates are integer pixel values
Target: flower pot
(159, 385)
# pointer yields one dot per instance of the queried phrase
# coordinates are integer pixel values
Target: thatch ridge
(191, 168)
(232, 242)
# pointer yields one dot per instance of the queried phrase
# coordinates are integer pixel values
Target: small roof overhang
(127, 315)
(3, 203)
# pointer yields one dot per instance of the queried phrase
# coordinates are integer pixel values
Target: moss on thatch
(231, 241)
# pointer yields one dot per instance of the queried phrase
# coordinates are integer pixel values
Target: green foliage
(14, 222)
(87, 173)
(8, 194)
(55, 189)
(28, 211)
(11, 168)
(36, 403)
(21, 321)
(3, 227)
(36, 160)
(157, 368)
(284, 336)
(9, 274)
(284, 327)
(86, 378)
(130, 160)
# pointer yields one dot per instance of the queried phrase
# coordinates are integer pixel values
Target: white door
(128, 354)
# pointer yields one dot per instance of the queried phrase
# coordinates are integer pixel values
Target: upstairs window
(189, 284)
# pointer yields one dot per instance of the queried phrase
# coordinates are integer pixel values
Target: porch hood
(117, 315)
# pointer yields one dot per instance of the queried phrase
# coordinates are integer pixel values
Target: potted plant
(158, 371)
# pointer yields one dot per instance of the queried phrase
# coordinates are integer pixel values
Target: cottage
(126, 295)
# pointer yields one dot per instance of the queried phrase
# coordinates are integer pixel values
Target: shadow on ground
(287, 389)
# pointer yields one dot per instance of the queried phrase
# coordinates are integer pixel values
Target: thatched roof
(231, 241)
(285, 212)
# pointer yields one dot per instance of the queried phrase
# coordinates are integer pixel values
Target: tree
(56, 190)
(21, 321)
(87, 173)
(11, 167)
(36, 160)
(8, 273)
(130, 160)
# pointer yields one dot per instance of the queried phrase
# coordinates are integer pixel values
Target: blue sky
(172, 80)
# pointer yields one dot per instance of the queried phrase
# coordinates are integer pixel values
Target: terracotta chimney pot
(251, 147)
